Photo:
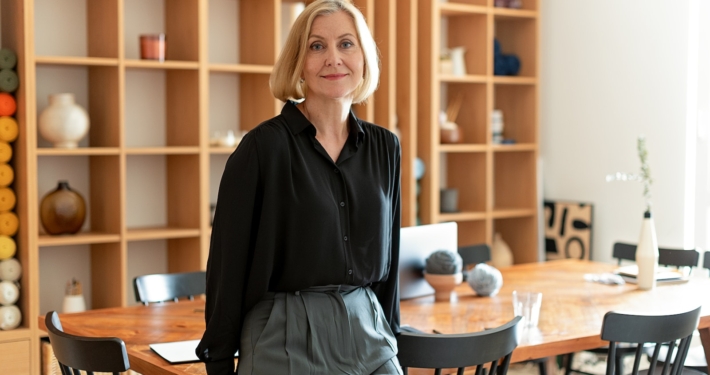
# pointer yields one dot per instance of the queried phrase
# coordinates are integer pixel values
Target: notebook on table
(663, 274)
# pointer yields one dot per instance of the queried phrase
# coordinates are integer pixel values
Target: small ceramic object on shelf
(497, 126)
(10, 317)
(449, 200)
(153, 47)
(501, 255)
(458, 63)
(63, 210)
(450, 133)
(9, 293)
(63, 122)
(10, 270)
(485, 280)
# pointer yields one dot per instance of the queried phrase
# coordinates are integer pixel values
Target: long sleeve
(388, 291)
(236, 215)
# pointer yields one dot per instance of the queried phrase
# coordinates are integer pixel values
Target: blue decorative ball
(485, 280)
(444, 262)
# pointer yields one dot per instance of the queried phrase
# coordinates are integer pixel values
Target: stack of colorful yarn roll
(10, 268)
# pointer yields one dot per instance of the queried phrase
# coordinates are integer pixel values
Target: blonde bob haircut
(285, 80)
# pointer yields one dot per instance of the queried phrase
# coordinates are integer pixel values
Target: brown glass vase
(63, 210)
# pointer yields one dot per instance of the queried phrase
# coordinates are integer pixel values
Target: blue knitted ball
(485, 280)
(444, 262)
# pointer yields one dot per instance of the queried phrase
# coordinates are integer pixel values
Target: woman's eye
(316, 46)
(346, 44)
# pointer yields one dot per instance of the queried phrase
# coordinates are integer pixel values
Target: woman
(302, 272)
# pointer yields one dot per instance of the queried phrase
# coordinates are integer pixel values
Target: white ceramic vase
(501, 255)
(73, 303)
(457, 61)
(63, 122)
(647, 254)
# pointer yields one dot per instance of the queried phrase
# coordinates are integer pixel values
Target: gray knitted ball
(485, 280)
(444, 262)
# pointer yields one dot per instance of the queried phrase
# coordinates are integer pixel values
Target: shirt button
(342, 204)
(350, 272)
(298, 293)
(345, 238)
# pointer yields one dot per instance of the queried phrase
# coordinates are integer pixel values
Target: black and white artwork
(568, 230)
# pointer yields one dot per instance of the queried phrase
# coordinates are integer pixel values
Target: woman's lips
(334, 76)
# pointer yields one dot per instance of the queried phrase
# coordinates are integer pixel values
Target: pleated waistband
(342, 288)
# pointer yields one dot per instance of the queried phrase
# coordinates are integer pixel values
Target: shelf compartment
(469, 31)
(471, 119)
(513, 80)
(519, 107)
(518, 36)
(528, 5)
(81, 151)
(95, 89)
(517, 232)
(217, 150)
(71, 60)
(462, 148)
(19, 333)
(472, 232)
(162, 191)
(81, 238)
(462, 216)
(178, 19)
(90, 30)
(96, 179)
(510, 214)
(514, 179)
(162, 108)
(465, 171)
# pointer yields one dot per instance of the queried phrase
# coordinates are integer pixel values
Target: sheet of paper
(178, 351)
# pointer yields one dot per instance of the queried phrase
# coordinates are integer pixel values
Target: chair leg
(542, 365)
(568, 363)
(619, 365)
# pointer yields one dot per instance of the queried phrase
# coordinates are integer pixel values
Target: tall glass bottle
(647, 254)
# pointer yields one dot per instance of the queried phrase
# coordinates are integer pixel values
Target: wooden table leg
(705, 339)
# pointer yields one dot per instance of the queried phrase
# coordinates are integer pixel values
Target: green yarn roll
(8, 59)
(8, 80)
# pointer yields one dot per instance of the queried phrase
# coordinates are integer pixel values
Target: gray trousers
(322, 330)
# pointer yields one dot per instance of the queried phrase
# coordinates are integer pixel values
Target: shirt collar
(297, 122)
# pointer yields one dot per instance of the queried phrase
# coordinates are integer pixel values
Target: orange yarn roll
(9, 223)
(5, 152)
(7, 175)
(8, 105)
(8, 247)
(7, 199)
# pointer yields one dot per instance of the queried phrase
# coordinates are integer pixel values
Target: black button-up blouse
(289, 218)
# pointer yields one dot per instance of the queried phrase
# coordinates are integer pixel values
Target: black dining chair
(169, 286)
(492, 347)
(649, 334)
(678, 258)
(474, 254)
(89, 354)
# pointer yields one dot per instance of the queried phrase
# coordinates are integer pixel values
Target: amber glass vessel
(62, 210)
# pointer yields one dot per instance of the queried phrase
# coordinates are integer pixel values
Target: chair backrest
(169, 286)
(104, 354)
(666, 256)
(674, 330)
(437, 351)
(474, 254)
(706, 260)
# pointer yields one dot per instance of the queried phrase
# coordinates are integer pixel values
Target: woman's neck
(330, 118)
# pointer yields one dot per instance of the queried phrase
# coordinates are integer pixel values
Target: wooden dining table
(570, 317)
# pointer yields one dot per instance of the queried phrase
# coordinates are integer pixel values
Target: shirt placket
(344, 214)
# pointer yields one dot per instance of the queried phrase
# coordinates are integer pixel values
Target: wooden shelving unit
(497, 184)
(147, 170)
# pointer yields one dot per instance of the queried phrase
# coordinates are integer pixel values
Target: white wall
(612, 70)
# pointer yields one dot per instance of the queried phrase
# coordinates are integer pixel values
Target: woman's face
(334, 61)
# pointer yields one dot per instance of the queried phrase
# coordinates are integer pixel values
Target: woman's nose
(333, 57)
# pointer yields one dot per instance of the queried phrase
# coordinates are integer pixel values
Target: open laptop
(416, 243)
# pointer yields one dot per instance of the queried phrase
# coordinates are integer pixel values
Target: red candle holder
(153, 47)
